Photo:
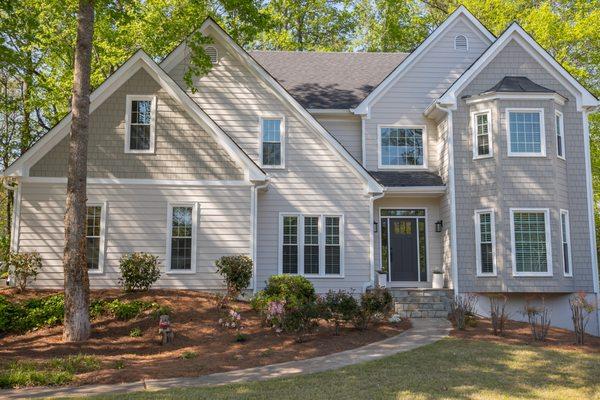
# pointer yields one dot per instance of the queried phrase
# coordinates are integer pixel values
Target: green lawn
(449, 369)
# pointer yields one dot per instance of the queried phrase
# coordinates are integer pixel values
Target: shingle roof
(328, 80)
(518, 84)
(407, 178)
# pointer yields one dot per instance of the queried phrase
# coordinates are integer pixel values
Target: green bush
(125, 310)
(236, 271)
(378, 301)
(24, 267)
(32, 314)
(138, 271)
(338, 307)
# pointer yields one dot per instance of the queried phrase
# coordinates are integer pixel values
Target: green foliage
(188, 355)
(31, 314)
(119, 364)
(237, 272)
(4, 253)
(125, 310)
(135, 332)
(138, 271)
(24, 267)
(338, 307)
(240, 337)
(199, 62)
(373, 303)
(293, 289)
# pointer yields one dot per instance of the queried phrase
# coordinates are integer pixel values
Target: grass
(450, 369)
(58, 371)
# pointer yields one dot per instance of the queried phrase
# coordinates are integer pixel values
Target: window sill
(179, 272)
(532, 275)
(533, 155)
(402, 167)
(139, 151)
(95, 272)
(483, 157)
(494, 275)
(272, 166)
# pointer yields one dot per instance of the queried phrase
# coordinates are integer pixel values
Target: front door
(404, 251)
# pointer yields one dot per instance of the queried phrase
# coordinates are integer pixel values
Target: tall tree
(77, 285)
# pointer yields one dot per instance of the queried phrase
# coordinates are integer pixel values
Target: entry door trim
(426, 209)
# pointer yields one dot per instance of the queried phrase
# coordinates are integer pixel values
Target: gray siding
(137, 221)
(183, 149)
(503, 182)
(421, 84)
(347, 130)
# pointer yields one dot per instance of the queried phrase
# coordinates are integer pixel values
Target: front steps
(422, 303)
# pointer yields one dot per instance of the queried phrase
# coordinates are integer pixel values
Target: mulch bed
(519, 333)
(195, 322)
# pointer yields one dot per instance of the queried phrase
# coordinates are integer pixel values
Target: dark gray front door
(404, 255)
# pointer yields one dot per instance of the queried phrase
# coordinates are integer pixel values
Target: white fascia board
(520, 36)
(557, 98)
(364, 107)
(417, 190)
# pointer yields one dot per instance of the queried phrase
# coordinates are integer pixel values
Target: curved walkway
(423, 332)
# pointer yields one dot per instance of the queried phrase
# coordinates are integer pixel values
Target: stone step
(421, 306)
(428, 299)
(423, 314)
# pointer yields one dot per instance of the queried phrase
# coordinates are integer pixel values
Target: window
(485, 239)
(140, 121)
(271, 151)
(314, 242)
(401, 147)
(560, 137)
(565, 235)
(482, 134)
(212, 53)
(181, 238)
(526, 136)
(94, 227)
(531, 249)
(461, 43)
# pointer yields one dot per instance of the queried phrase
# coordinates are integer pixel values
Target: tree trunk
(77, 285)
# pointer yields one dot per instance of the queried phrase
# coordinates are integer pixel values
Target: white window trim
(466, 41)
(490, 211)
(300, 243)
(515, 273)
(474, 115)
(562, 135)
(129, 99)
(380, 165)
(282, 135)
(568, 240)
(195, 208)
(542, 152)
(101, 254)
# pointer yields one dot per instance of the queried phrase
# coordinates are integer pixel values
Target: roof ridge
(326, 52)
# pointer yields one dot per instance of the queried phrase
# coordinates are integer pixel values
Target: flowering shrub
(236, 271)
(274, 314)
(375, 303)
(231, 319)
(338, 307)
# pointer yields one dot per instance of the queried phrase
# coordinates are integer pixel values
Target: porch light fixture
(375, 226)
(439, 225)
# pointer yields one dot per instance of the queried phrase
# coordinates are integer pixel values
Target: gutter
(13, 229)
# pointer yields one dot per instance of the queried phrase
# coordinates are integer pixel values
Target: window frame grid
(102, 251)
(380, 164)
(282, 139)
(129, 99)
(548, 233)
(301, 244)
(560, 127)
(475, 134)
(477, 221)
(567, 241)
(540, 111)
(195, 208)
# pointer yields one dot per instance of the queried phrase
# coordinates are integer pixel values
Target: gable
(183, 150)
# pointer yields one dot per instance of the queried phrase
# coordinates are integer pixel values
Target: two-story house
(469, 156)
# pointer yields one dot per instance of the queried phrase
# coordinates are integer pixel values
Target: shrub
(377, 301)
(138, 271)
(135, 332)
(338, 307)
(462, 310)
(125, 310)
(498, 313)
(580, 314)
(236, 271)
(539, 320)
(24, 266)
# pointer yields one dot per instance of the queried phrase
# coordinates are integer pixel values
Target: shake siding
(347, 131)
(183, 151)
(424, 82)
(503, 182)
(137, 221)
(315, 180)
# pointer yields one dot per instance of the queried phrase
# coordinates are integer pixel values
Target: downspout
(14, 233)
(372, 200)
(254, 230)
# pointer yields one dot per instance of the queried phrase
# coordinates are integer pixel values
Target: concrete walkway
(424, 331)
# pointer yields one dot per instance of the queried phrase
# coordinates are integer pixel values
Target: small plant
(24, 267)
(377, 302)
(240, 338)
(339, 307)
(119, 364)
(126, 310)
(498, 313)
(231, 320)
(462, 309)
(31, 314)
(135, 332)
(539, 320)
(138, 271)
(76, 364)
(188, 355)
(581, 310)
(236, 271)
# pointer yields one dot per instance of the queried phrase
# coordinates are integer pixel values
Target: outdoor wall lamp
(374, 226)
(439, 225)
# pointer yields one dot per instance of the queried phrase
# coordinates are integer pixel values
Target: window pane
(559, 135)
(483, 145)
(525, 132)
(402, 213)
(401, 146)
(271, 153)
(332, 245)
(311, 245)
(332, 260)
(530, 241)
(139, 137)
(93, 220)
(422, 250)
(290, 245)
(181, 238)
(271, 137)
(565, 243)
(93, 252)
(384, 245)
(485, 240)
(140, 112)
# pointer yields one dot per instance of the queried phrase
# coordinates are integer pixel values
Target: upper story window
(531, 249)
(526, 135)
(461, 43)
(482, 134)
(560, 136)
(272, 142)
(485, 239)
(181, 237)
(94, 236)
(401, 147)
(140, 124)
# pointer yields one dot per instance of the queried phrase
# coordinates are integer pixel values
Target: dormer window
(212, 52)
(461, 43)
(140, 121)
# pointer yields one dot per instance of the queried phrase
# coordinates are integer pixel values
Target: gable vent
(212, 53)
(461, 43)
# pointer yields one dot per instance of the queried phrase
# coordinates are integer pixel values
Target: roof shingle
(407, 178)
